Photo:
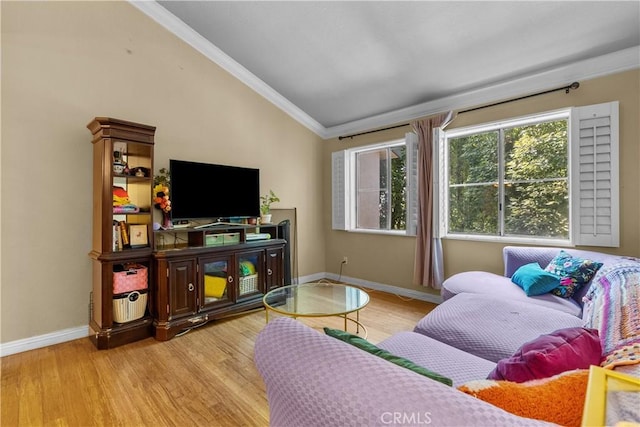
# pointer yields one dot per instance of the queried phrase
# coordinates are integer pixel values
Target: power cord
(341, 265)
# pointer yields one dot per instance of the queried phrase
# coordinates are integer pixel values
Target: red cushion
(548, 355)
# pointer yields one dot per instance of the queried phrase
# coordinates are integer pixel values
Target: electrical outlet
(345, 260)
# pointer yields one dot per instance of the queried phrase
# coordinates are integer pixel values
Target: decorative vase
(166, 220)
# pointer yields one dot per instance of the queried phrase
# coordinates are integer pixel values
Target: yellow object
(214, 286)
(601, 383)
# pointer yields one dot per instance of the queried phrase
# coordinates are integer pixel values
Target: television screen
(209, 191)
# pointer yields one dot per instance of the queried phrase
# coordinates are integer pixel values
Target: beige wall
(389, 260)
(64, 63)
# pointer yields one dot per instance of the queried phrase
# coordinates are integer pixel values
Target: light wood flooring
(203, 378)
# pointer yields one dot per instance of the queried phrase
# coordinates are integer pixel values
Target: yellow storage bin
(214, 286)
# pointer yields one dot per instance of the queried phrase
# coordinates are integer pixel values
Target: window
(374, 187)
(551, 176)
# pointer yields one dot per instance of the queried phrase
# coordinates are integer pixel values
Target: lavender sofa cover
(491, 328)
(501, 287)
(315, 380)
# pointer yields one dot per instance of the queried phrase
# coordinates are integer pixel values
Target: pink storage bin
(134, 278)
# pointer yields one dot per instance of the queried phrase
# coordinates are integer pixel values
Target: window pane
(537, 209)
(473, 210)
(473, 184)
(398, 188)
(536, 193)
(381, 188)
(536, 151)
(371, 192)
(473, 158)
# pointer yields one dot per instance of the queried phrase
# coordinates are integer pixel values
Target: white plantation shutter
(339, 190)
(411, 139)
(594, 175)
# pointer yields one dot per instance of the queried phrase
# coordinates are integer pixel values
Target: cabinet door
(216, 282)
(274, 277)
(182, 291)
(251, 277)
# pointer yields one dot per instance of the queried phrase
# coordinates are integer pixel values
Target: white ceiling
(344, 66)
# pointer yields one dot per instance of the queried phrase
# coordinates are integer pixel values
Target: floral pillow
(573, 271)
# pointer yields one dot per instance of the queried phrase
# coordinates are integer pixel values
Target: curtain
(428, 265)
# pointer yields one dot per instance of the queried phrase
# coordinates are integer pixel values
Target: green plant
(265, 202)
(163, 178)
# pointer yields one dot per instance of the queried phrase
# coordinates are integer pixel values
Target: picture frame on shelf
(138, 236)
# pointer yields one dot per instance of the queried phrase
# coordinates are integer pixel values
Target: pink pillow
(548, 355)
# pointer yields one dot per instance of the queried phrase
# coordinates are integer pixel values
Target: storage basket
(248, 284)
(133, 278)
(129, 306)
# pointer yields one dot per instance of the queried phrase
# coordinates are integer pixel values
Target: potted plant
(265, 206)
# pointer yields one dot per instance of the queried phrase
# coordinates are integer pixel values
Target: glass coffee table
(318, 300)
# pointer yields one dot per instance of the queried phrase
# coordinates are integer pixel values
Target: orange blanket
(558, 399)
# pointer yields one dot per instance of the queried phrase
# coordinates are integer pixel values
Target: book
(124, 235)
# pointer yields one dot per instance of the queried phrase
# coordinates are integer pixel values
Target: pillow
(573, 271)
(534, 280)
(214, 287)
(548, 355)
(559, 399)
(365, 345)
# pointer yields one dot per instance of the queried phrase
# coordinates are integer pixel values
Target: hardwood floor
(205, 377)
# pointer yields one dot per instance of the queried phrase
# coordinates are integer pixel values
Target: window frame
(344, 191)
(575, 148)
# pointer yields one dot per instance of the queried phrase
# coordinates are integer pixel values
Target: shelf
(136, 144)
(133, 213)
(132, 178)
(193, 237)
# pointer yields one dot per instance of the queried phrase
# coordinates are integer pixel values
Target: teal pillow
(534, 280)
(365, 345)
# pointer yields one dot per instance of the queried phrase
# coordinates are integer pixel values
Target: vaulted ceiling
(340, 67)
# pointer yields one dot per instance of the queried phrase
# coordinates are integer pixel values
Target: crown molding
(600, 66)
(176, 26)
(612, 63)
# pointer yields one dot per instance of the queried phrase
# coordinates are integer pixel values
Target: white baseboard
(57, 337)
(71, 334)
(409, 293)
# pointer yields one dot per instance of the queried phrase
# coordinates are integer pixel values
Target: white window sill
(380, 232)
(533, 241)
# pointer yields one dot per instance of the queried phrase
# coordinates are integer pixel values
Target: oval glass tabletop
(316, 299)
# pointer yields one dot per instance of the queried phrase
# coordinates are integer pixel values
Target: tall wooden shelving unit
(133, 143)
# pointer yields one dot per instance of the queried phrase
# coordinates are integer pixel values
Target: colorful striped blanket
(612, 306)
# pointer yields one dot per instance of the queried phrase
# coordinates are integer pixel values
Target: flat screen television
(210, 191)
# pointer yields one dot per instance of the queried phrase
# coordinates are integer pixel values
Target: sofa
(316, 380)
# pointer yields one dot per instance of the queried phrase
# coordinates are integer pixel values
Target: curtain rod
(574, 86)
(340, 138)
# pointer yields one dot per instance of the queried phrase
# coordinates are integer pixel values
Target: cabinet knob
(230, 279)
(191, 287)
(269, 271)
